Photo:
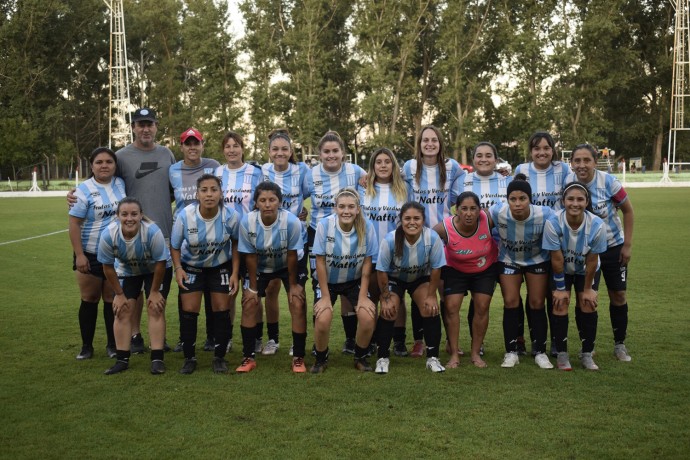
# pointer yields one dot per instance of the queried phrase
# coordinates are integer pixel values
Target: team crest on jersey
(208, 170)
(350, 180)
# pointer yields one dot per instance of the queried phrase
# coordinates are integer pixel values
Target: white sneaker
(382, 365)
(621, 353)
(510, 359)
(563, 361)
(229, 347)
(543, 361)
(434, 365)
(258, 345)
(588, 363)
(292, 350)
(270, 348)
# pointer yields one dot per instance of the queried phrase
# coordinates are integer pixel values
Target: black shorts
(400, 287)
(455, 282)
(211, 279)
(615, 274)
(264, 278)
(131, 285)
(579, 282)
(349, 290)
(536, 269)
(95, 267)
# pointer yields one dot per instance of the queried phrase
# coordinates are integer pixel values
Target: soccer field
(53, 406)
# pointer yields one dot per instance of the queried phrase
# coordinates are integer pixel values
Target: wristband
(559, 281)
(176, 268)
(252, 290)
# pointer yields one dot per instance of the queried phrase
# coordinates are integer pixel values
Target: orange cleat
(298, 366)
(248, 365)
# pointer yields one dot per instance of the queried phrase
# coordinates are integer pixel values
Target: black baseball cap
(144, 114)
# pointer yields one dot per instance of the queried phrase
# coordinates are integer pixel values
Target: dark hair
(488, 144)
(591, 149)
(236, 137)
(581, 186)
(282, 133)
(215, 178)
(519, 184)
(332, 136)
(267, 186)
(441, 155)
(97, 151)
(399, 234)
(464, 195)
(535, 138)
(132, 200)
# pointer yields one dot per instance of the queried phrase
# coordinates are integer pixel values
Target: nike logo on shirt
(146, 168)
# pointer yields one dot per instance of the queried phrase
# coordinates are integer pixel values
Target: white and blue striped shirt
(294, 185)
(326, 185)
(137, 256)
(417, 260)
(183, 181)
(382, 209)
(590, 237)
(546, 184)
(205, 243)
(97, 205)
(271, 243)
(607, 195)
(343, 252)
(428, 192)
(238, 186)
(491, 189)
(521, 240)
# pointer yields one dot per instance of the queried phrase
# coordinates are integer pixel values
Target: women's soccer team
(427, 229)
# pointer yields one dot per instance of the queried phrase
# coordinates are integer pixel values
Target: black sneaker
(220, 366)
(157, 367)
(361, 364)
(111, 351)
(189, 366)
(179, 347)
(319, 367)
(209, 345)
(85, 353)
(137, 346)
(349, 346)
(120, 366)
(400, 349)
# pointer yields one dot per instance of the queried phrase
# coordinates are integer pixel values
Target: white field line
(33, 237)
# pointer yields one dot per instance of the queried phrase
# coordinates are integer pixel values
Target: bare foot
(478, 361)
(453, 363)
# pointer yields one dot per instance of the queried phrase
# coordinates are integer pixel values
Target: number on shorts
(224, 279)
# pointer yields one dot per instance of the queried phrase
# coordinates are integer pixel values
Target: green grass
(55, 407)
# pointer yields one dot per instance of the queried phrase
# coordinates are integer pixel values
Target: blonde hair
(360, 222)
(398, 186)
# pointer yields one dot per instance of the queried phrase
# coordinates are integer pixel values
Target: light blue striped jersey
(205, 243)
(326, 185)
(590, 237)
(295, 185)
(607, 195)
(238, 186)
(428, 192)
(547, 184)
(97, 205)
(183, 181)
(137, 256)
(417, 259)
(491, 189)
(344, 255)
(271, 243)
(382, 209)
(521, 241)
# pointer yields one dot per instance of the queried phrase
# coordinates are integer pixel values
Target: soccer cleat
(85, 353)
(521, 348)
(189, 366)
(382, 365)
(220, 366)
(361, 364)
(258, 345)
(292, 350)
(298, 366)
(319, 367)
(621, 353)
(111, 351)
(543, 361)
(417, 349)
(434, 365)
(137, 345)
(563, 361)
(510, 359)
(209, 345)
(313, 350)
(157, 367)
(349, 346)
(587, 362)
(248, 365)
(270, 348)
(229, 346)
(119, 366)
(399, 349)
(179, 347)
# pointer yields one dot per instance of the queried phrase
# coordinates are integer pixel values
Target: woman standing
(472, 265)
(344, 245)
(608, 197)
(94, 210)
(272, 244)
(520, 227)
(143, 260)
(204, 253)
(410, 260)
(575, 238)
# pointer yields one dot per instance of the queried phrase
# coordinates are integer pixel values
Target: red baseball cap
(191, 132)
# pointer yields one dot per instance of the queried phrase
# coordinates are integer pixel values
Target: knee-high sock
(619, 321)
(538, 329)
(88, 314)
(109, 320)
(220, 332)
(188, 325)
(248, 341)
(432, 335)
(384, 335)
(588, 330)
(511, 319)
(559, 329)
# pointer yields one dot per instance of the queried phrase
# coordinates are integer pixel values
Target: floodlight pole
(119, 130)
(680, 86)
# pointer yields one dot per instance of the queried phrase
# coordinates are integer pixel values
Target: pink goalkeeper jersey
(471, 254)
